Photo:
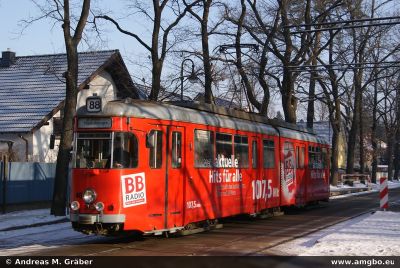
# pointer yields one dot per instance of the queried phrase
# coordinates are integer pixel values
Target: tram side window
(268, 154)
(311, 156)
(254, 155)
(242, 150)
(223, 145)
(315, 157)
(203, 148)
(325, 158)
(154, 143)
(125, 152)
(176, 149)
(300, 156)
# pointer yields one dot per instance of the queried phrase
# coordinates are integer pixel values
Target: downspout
(26, 147)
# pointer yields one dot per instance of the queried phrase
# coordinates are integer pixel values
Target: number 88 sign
(93, 104)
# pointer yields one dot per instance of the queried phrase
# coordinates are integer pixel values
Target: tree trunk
(208, 97)
(64, 153)
(354, 130)
(311, 99)
(335, 156)
(374, 143)
(155, 60)
(289, 102)
(156, 80)
(397, 139)
(390, 151)
(239, 65)
(335, 120)
(71, 76)
(397, 156)
(361, 139)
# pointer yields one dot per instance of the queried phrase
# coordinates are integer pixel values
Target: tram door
(175, 174)
(164, 181)
(156, 176)
(301, 173)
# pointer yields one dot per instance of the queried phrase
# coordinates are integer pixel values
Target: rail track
(241, 236)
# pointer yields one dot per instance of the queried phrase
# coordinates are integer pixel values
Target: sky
(46, 37)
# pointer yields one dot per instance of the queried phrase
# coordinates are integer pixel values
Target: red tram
(156, 167)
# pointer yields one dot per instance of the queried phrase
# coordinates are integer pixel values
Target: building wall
(103, 85)
(18, 148)
(342, 152)
(39, 142)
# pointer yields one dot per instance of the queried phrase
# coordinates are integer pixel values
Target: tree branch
(105, 17)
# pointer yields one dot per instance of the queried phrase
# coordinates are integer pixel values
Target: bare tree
(72, 37)
(387, 111)
(332, 96)
(269, 25)
(262, 106)
(365, 42)
(203, 20)
(160, 44)
(359, 39)
(397, 137)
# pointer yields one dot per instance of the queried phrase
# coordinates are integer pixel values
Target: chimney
(7, 58)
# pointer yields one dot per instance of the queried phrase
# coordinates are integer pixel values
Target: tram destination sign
(94, 123)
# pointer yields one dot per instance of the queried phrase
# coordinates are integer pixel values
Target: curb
(34, 225)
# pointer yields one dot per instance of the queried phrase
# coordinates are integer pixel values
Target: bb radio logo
(133, 189)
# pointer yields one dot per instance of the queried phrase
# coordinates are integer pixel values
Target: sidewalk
(28, 218)
(343, 190)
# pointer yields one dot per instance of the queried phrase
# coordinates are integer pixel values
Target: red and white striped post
(384, 193)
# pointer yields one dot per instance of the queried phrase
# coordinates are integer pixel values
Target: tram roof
(205, 114)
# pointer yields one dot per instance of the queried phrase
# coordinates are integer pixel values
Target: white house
(32, 94)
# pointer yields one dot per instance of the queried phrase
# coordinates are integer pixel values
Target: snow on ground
(372, 234)
(375, 187)
(26, 217)
(33, 239)
(376, 234)
(23, 250)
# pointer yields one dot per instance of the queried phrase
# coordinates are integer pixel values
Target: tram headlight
(74, 205)
(89, 196)
(99, 206)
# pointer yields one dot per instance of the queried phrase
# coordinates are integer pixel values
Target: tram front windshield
(93, 150)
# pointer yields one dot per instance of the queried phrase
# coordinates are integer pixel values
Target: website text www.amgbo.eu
(363, 262)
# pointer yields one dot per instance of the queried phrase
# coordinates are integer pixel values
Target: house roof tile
(34, 86)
